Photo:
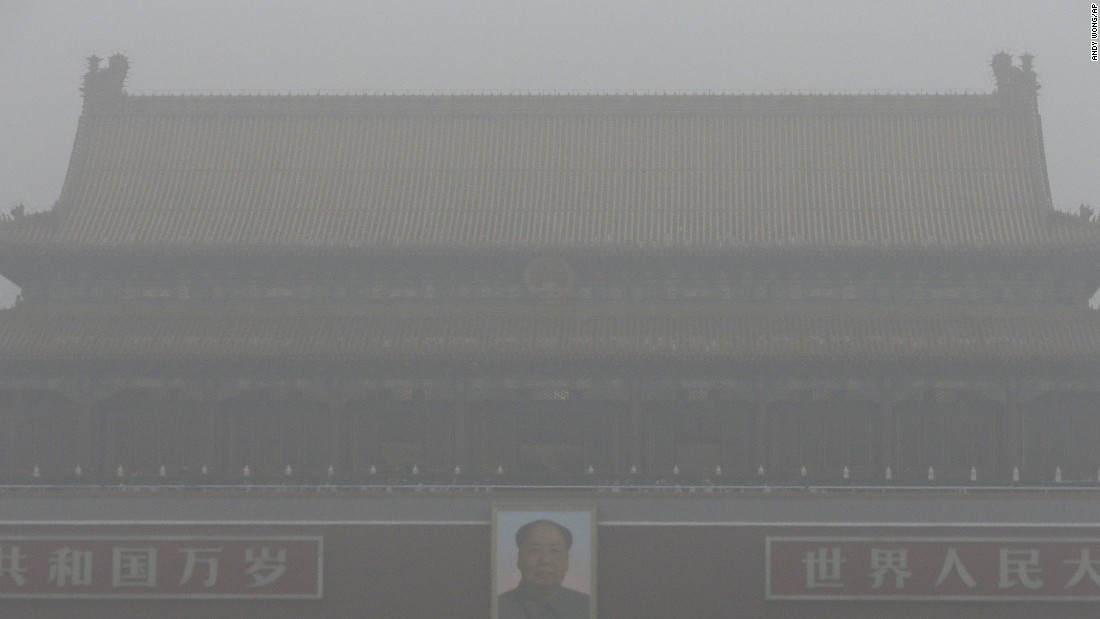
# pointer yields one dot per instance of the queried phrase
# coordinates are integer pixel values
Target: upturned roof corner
(105, 85)
(1015, 80)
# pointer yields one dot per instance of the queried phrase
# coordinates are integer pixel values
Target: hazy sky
(447, 45)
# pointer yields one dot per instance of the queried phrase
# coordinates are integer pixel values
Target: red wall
(441, 571)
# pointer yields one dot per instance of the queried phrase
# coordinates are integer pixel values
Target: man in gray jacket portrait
(543, 558)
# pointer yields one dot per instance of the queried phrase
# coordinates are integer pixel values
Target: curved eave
(41, 244)
(30, 230)
(740, 334)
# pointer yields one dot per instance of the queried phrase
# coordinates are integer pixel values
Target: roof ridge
(567, 92)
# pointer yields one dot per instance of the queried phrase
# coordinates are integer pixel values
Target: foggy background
(563, 45)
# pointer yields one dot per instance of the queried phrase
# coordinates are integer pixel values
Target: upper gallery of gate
(706, 171)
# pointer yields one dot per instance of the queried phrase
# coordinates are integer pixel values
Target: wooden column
(583, 415)
(438, 421)
(616, 420)
(728, 431)
(214, 449)
(482, 416)
(370, 451)
(623, 440)
(459, 418)
(335, 447)
(656, 457)
(87, 432)
(636, 431)
(761, 431)
(8, 465)
(1009, 448)
(511, 419)
(888, 442)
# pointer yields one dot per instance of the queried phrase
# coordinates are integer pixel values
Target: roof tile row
(924, 174)
(210, 332)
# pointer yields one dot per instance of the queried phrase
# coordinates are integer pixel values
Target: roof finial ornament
(1013, 80)
(1027, 59)
(105, 84)
(1084, 211)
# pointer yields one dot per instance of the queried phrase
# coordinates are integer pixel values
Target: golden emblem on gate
(549, 280)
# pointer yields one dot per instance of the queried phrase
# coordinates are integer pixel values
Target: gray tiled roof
(584, 171)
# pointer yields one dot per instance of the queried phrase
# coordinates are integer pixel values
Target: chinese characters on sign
(160, 567)
(950, 569)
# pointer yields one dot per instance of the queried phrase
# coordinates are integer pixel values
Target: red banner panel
(921, 568)
(210, 567)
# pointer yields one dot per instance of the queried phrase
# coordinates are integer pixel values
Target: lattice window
(403, 394)
(550, 395)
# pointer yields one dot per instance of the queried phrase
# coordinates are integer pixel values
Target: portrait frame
(506, 521)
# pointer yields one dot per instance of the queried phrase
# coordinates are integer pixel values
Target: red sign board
(943, 568)
(211, 567)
